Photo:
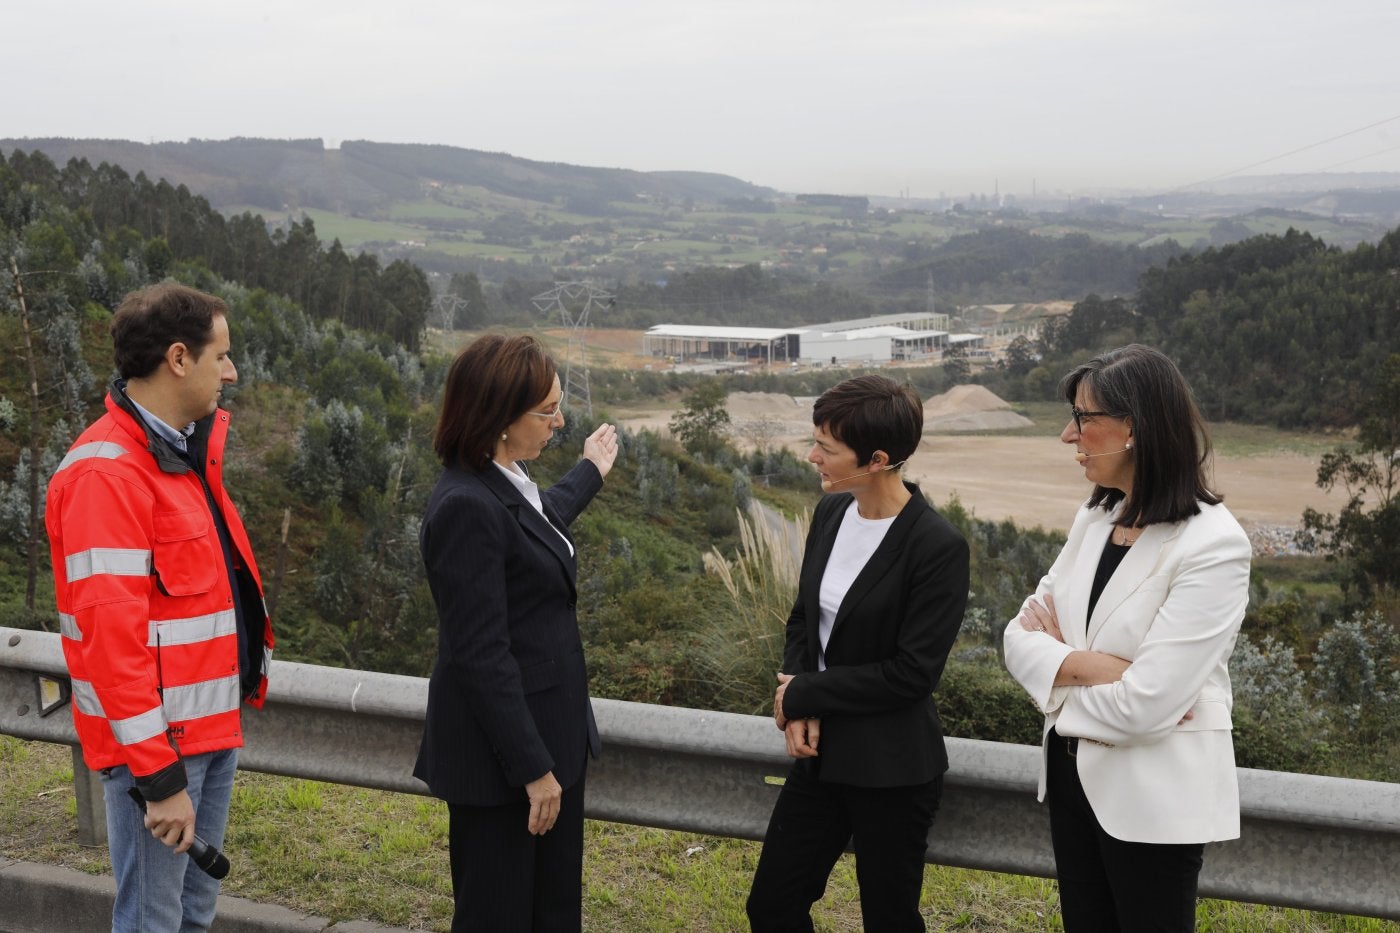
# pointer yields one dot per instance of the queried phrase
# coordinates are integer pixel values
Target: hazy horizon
(884, 98)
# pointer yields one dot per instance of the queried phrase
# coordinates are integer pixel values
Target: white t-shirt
(856, 540)
(531, 492)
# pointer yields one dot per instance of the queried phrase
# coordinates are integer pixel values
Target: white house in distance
(882, 339)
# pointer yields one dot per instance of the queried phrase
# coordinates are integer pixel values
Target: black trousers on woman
(505, 880)
(813, 821)
(1108, 885)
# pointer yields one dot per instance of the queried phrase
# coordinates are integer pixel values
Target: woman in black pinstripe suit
(509, 727)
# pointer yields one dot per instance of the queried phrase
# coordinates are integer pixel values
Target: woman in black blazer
(509, 725)
(883, 587)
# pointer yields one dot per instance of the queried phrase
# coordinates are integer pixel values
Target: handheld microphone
(1085, 458)
(892, 466)
(213, 862)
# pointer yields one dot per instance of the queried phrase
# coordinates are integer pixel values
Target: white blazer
(1173, 608)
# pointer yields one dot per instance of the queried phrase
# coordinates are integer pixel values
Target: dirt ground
(614, 348)
(1035, 480)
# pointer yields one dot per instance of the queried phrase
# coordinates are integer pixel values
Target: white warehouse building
(872, 344)
(882, 339)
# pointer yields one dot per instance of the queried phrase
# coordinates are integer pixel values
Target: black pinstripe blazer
(508, 699)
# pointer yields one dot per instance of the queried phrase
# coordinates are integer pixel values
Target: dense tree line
(1007, 264)
(123, 231)
(1280, 330)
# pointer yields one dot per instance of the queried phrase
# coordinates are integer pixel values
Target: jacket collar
(547, 531)
(167, 456)
(880, 562)
(1136, 567)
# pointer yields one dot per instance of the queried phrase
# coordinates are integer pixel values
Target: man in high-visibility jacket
(160, 604)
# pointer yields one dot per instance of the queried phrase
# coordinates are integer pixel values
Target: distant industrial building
(872, 344)
(882, 339)
(909, 320)
(705, 342)
(971, 344)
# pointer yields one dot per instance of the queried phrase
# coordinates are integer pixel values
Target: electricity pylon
(574, 302)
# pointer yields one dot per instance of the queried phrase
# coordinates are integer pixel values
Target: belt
(1071, 743)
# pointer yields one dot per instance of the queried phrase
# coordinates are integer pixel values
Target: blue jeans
(157, 890)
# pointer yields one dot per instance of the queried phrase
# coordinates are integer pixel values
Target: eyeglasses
(553, 413)
(1079, 416)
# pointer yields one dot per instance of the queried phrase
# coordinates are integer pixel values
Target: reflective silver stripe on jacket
(118, 561)
(267, 661)
(68, 627)
(85, 698)
(139, 728)
(167, 632)
(105, 450)
(206, 698)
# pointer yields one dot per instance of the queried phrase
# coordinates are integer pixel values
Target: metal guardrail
(1312, 842)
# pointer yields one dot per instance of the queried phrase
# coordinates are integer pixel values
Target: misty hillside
(362, 177)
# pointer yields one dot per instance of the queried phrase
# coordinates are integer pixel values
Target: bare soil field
(613, 348)
(1036, 481)
(1030, 480)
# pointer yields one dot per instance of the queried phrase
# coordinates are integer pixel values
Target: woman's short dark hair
(870, 413)
(1171, 446)
(491, 383)
(149, 320)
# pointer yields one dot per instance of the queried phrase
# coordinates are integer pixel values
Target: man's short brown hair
(150, 319)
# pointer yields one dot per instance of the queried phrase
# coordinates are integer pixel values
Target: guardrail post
(92, 810)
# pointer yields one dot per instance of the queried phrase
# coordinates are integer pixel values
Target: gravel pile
(1275, 540)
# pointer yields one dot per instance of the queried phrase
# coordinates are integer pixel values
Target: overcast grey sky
(848, 96)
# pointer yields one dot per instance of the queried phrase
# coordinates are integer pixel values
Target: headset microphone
(1085, 458)
(892, 466)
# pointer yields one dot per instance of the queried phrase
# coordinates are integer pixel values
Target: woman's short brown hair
(491, 383)
(870, 413)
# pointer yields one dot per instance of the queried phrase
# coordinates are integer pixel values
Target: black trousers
(1108, 885)
(811, 824)
(505, 880)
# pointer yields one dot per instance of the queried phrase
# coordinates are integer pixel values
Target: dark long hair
(491, 383)
(1171, 446)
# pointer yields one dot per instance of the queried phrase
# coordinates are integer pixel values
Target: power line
(1321, 142)
(1360, 158)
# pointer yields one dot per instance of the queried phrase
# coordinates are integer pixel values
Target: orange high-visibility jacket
(146, 607)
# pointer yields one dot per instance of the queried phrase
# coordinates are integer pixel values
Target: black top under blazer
(886, 651)
(508, 699)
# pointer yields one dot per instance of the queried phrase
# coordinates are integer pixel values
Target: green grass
(433, 210)
(349, 853)
(353, 232)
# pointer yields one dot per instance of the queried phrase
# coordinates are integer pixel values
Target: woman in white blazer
(1124, 647)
